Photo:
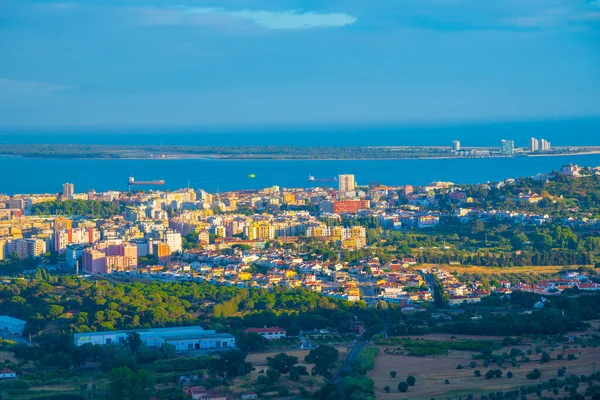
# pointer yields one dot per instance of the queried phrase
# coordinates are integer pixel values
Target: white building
(184, 339)
(11, 326)
(346, 183)
(7, 373)
(173, 239)
(273, 333)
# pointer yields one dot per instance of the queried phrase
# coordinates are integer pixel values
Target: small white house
(8, 373)
(11, 326)
(249, 396)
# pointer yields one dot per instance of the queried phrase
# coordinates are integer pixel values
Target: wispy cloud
(287, 19)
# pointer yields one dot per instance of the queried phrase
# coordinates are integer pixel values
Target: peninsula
(275, 152)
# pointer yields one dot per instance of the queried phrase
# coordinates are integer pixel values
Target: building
(249, 396)
(11, 326)
(68, 190)
(456, 145)
(344, 206)
(272, 333)
(162, 251)
(184, 339)
(428, 221)
(346, 183)
(24, 248)
(173, 239)
(72, 254)
(545, 145)
(106, 258)
(534, 145)
(572, 170)
(508, 147)
(8, 373)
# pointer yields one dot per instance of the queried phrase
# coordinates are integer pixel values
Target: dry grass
(473, 269)
(431, 372)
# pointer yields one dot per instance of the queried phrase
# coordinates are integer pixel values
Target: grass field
(431, 372)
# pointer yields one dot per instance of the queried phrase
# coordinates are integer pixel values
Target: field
(431, 372)
(259, 361)
(473, 269)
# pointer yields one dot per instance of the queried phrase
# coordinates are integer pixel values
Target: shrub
(411, 380)
(387, 389)
(403, 387)
(477, 372)
(535, 374)
(509, 374)
(393, 374)
(446, 382)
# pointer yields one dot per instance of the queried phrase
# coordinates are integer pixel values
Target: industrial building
(11, 326)
(184, 339)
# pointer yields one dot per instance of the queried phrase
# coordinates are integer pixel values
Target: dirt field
(431, 372)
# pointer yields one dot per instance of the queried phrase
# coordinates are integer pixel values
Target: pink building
(107, 258)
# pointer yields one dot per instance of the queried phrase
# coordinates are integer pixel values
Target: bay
(41, 175)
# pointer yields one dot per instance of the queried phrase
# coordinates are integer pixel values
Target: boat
(131, 182)
(311, 178)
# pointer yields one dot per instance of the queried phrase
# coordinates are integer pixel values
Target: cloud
(288, 19)
(11, 87)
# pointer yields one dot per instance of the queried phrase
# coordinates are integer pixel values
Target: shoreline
(221, 158)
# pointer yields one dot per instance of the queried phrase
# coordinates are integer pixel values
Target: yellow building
(244, 276)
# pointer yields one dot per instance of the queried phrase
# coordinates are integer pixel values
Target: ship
(132, 182)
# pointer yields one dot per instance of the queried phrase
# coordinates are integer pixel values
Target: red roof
(7, 371)
(274, 329)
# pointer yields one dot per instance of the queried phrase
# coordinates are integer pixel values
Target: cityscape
(440, 253)
(300, 200)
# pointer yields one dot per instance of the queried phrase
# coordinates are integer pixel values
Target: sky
(108, 63)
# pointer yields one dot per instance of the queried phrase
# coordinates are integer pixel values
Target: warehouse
(184, 339)
(11, 326)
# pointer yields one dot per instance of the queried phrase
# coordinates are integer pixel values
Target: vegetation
(94, 208)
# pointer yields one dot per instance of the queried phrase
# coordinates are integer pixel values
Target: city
(444, 251)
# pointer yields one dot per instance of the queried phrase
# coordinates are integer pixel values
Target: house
(11, 326)
(8, 373)
(249, 396)
(272, 333)
(201, 393)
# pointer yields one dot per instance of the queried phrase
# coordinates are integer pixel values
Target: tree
(477, 372)
(282, 362)
(509, 374)
(252, 342)
(387, 389)
(490, 374)
(535, 374)
(446, 382)
(134, 341)
(403, 387)
(230, 364)
(126, 384)
(273, 374)
(411, 380)
(324, 358)
(393, 374)
(294, 375)
(545, 358)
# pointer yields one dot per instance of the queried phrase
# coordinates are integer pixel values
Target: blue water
(47, 175)
(23, 175)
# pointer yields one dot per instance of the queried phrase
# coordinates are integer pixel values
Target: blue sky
(266, 62)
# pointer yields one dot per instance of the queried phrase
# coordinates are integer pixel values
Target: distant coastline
(146, 152)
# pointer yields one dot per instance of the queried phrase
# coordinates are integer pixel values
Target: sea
(46, 175)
